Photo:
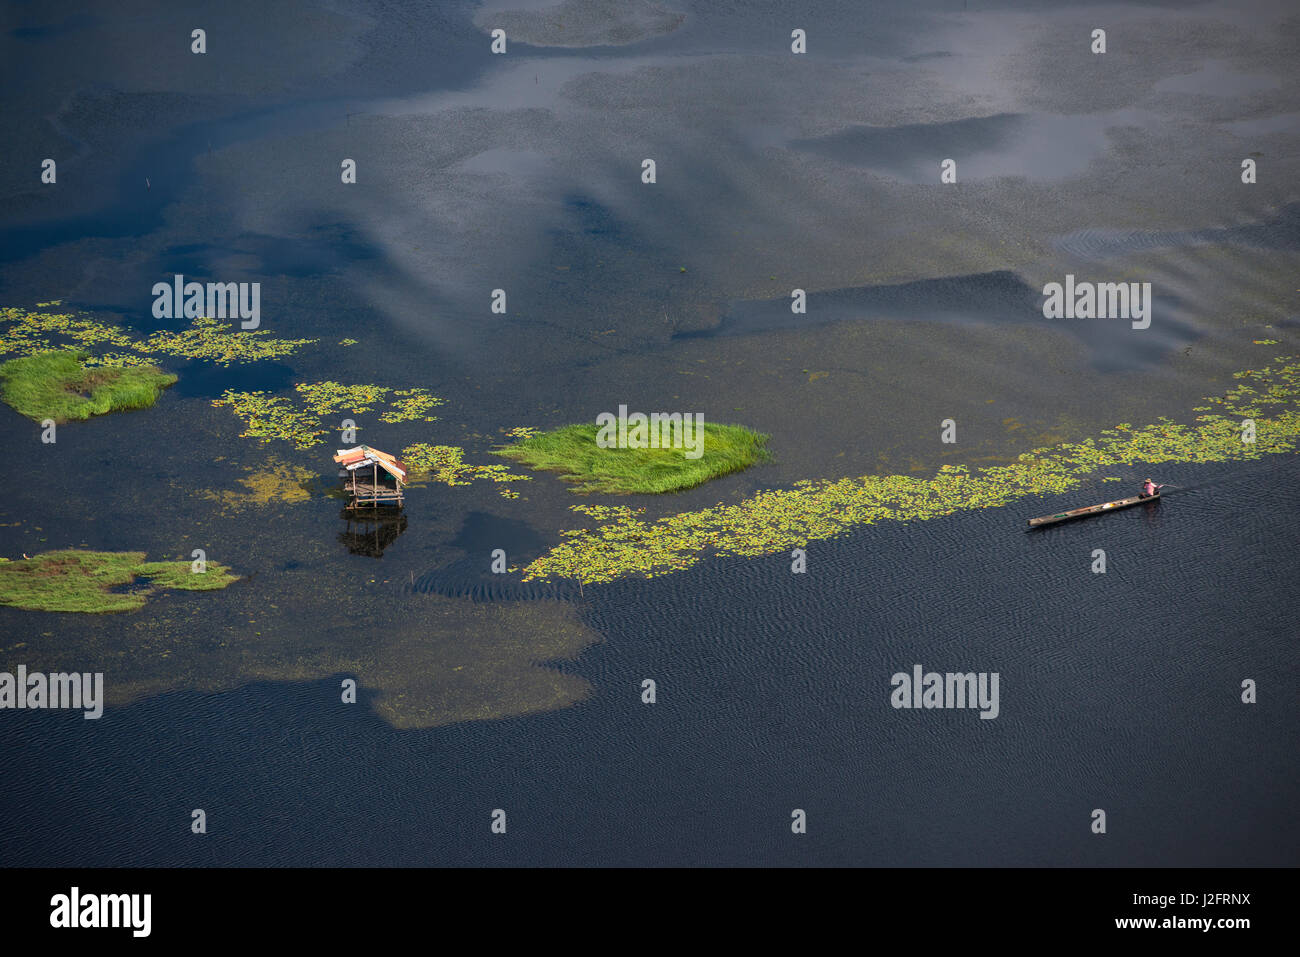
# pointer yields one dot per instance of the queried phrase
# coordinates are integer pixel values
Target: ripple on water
(1280, 232)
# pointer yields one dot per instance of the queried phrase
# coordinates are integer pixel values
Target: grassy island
(84, 581)
(59, 385)
(572, 450)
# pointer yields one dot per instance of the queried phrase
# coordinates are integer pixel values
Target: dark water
(472, 576)
(1118, 691)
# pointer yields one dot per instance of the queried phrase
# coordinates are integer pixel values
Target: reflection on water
(1041, 146)
(477, 171)
(1217, 78)
(370, 531)
(206, 380)
(993, 298)
(1151, 515)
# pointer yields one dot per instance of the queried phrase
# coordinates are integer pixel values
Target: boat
(1091, 510)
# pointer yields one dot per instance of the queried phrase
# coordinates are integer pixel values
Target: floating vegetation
(279, 417)
(272, 417)
(60, 386)
(27, 333)
(267, 416)
(411, 405)
(322, 399)
(572, 450)
(777, 520)
(275, 480)
(207, 339)
(82, 581)
(445, 464)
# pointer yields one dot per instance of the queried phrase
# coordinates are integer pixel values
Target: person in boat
(1149, 488)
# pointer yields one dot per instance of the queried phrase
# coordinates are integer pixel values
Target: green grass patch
(83, 581)
(572, 451)
(59, 386)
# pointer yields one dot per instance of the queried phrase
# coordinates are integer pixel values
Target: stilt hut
(372, 478)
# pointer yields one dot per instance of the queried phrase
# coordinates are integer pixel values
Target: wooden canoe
(1091, 510)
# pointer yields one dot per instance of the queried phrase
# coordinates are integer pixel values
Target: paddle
(1234, 476)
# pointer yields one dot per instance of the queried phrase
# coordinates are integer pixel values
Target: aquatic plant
(411, 405)
(58, 385)
(273, 480)
(445, 464)
(777, 520)
(81, 581)
(572, 451)
(208, 339)
(25, 333)
(269, 416)
(273, 417)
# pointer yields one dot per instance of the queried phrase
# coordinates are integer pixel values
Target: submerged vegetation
(61, 386)
(275, 480)
(777, 520)
(572, 451)
(84, 581)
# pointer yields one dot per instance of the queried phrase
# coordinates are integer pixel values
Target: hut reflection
(371, 530)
